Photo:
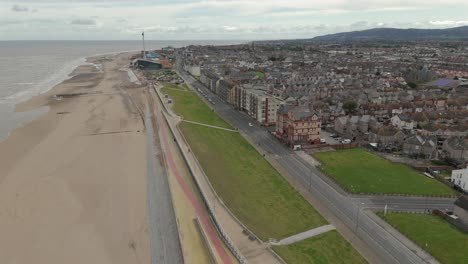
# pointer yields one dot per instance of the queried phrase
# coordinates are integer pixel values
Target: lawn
(322, 249)
(260, 75)
(253, 190)
(442, 240)
(359, 171)
(191, 107)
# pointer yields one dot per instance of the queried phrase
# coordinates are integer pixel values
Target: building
(223, 89)
(420, 147)
(297, 125)
(460, 209)
(460, 179)
(256, 102)
(402, 122)
(456, 148)
(209, 79)
(352, 126)
(387, 136)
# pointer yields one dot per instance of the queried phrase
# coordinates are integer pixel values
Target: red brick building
(297, 125)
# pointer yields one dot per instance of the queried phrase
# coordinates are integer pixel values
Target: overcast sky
(221, 19)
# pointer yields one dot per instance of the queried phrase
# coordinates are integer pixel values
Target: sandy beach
(73, 181)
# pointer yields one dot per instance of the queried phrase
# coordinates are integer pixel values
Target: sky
(217, 19)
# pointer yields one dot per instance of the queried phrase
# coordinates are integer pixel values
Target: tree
(412, 85)
(350, 106)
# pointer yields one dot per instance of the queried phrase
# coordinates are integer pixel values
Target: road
(165, 245)
(349, 209)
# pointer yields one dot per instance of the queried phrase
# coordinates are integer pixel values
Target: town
(376, 118)
(410, 99)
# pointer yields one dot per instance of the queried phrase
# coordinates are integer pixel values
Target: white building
(460, 178)
(402, 122)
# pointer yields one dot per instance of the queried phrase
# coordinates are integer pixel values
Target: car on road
(250, 124)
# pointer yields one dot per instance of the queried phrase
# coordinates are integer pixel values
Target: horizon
(217, 20)
(220, 40)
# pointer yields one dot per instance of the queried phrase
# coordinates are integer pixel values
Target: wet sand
(73, 181)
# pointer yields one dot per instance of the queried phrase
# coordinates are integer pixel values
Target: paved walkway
(201, 124)
(308, 158)
(303, 235)
(165, 244)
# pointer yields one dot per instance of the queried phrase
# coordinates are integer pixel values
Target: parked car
(250, 124)
(333, 135)
(323, 141)
(345, 141)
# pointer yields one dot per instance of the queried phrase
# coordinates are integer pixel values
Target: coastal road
(164, 238)
(349, 209)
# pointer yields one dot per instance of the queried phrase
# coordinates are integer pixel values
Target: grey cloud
(83, 21)
(18, 8)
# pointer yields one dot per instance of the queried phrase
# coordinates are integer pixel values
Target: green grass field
(359, 171)
(260, 75)
(191, 107)
(325, 248)
(432, 233)
(251, 188)
(249, 185)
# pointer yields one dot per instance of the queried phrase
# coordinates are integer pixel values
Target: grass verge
(432, 233)
(325, 248)
(359, 171)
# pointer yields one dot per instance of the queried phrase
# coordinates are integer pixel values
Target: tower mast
(144, 49)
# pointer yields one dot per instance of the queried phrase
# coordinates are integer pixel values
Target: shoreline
(55, 79)
(73, 180)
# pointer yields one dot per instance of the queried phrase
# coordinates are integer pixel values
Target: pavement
(217, 127)
(351, 210)
(304, 235)
(164, 237)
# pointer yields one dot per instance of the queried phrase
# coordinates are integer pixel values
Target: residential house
(456, 148)
(387, 136)
(420, 147)
(352, 126)
(403, 122)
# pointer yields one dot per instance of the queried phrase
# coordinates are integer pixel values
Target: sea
(28, 68)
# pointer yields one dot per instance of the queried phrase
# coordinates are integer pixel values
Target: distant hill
(458, 33)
